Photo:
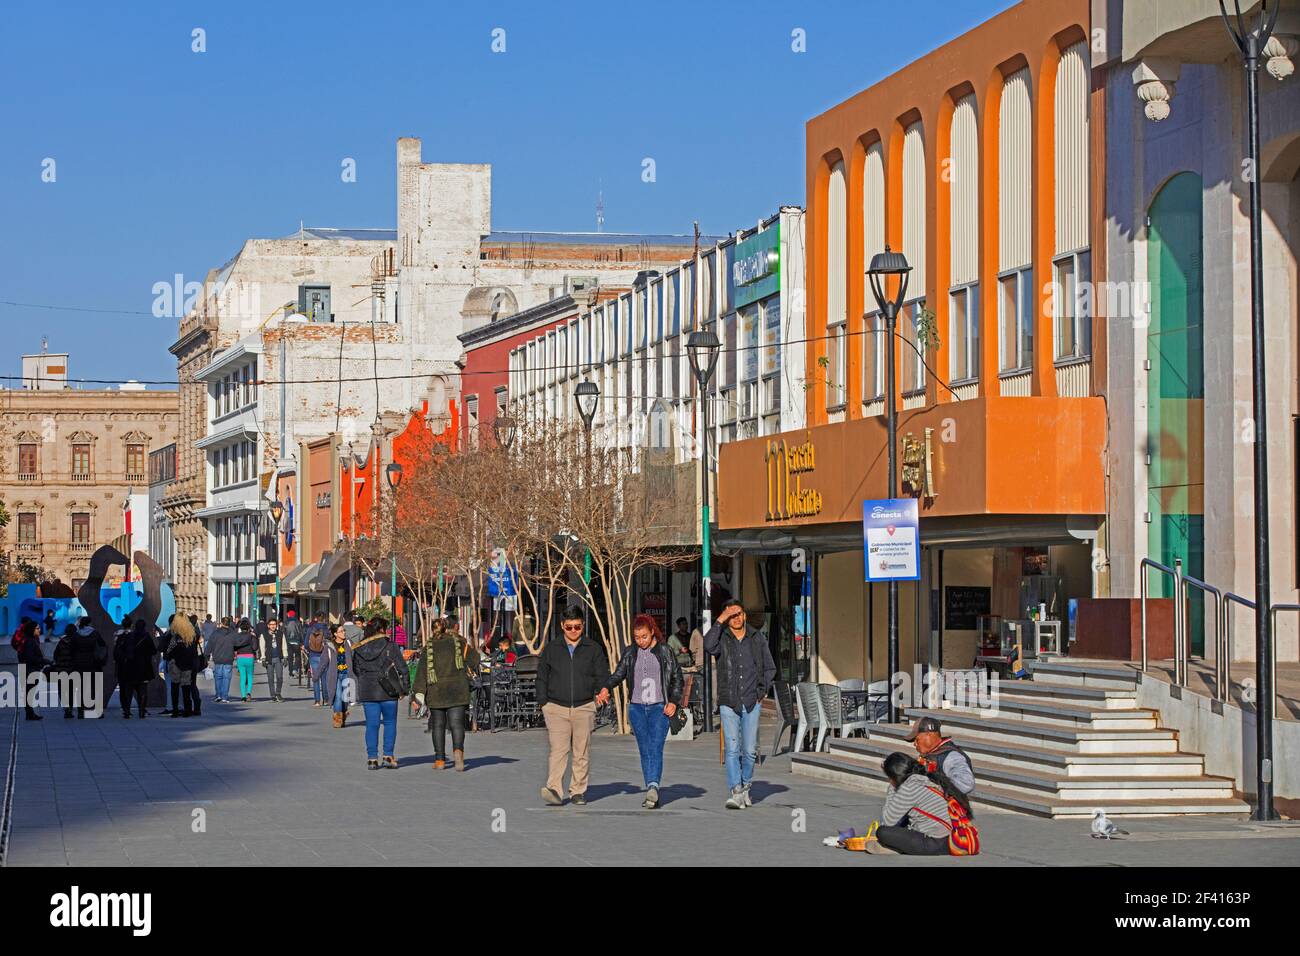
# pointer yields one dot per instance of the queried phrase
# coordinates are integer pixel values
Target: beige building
(71, 460)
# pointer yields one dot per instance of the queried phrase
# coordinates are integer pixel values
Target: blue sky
(167, 159)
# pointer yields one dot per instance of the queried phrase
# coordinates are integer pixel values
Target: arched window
(1071, 261)
(836, 285)
(873, 242)
(1015, 272)
(914, 248)
(963, 298)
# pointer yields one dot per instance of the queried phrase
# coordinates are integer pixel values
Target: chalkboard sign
(962, 605)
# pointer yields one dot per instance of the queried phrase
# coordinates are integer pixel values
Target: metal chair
(786, 709)
(856, 684)
(810, 712)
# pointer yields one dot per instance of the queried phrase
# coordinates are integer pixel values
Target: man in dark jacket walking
(221, 655)
(570, 673)
(745, 673)
(293, 635)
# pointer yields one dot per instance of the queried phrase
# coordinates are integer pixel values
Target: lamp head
(702, 349)
(587, 395)
(883, 266)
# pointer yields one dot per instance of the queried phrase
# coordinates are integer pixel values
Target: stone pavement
(273, 784)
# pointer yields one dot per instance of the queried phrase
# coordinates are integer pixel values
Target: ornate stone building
(71, 460)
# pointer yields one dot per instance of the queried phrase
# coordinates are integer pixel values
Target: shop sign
(918, 465)
(786, 466)
(323, 500)
(755, 269)
(891, 539)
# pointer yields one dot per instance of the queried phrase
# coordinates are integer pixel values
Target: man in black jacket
(79, 656)
(745, 674)
(570, 673)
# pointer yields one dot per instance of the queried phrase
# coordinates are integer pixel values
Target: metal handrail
(1143, 567)
(1225, 653)
(1272, 613)
(1218, 603)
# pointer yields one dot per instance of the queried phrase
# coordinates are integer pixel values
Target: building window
(503, 400)
(963, 334)
(81, 528)
(873, 357)
(913, 345)
(835, 365)
(81, 459)
(27, 527)
(471, 420)
(1016, 321)
(1070, 278)
(135, 461)
(28, 463)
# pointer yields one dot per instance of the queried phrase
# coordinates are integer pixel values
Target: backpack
(395, 678)
(316, 639)
(963, 838)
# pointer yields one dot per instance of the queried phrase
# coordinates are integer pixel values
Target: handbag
(678, 720)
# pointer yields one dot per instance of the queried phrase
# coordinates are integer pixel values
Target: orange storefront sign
(1036, 455)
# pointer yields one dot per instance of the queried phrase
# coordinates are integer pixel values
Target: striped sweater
(914, 794)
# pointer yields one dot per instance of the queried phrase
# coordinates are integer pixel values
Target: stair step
(1082, 739)
(1101, 787)
(858, 773)
(1027, 708)
(1102, 697)
(1071, 763)
(1087, 674)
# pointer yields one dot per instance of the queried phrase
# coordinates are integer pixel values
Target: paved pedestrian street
(273, 784)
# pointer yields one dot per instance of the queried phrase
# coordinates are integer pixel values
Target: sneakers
(372, 764)
(338, 719)
(550, 797)
(745, 793)
(578, 800)
(389, 763)
(651, 800)
(459, 757)
(737, 799)
(439, 763)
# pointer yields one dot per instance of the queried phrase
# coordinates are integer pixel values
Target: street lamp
(587, 397)
(884, 266)
(394, 475)
(702, 349)
(1251, 43)
(277, 512)
(503, 427)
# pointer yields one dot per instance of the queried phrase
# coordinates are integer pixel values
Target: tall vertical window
(873, 356)
(873, 243)
(1015, 173)
(912, 349)
(836, 285)
(707, 302)
(80, 527)
(471, 420)
(135, 459)
(27, 460)
(27, 527)
(770, 365)
(81, 459)
(673, 315)
(1071, 265)
(963, 312)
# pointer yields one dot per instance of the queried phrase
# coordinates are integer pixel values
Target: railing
(80, 547)
(134, 477)
(1182, 654)
(1175, 572)
(1225, 652)
(1204, 588)
(29, 476)
(1272, 613)
(80, 477)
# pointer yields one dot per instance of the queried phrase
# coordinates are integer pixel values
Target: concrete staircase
(1071, 739)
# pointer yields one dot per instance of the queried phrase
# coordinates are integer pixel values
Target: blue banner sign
(891, 539)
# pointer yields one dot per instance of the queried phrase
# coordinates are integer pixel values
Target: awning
(299, 578)
(332, 567)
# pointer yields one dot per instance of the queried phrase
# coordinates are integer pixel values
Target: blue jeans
(385, 712)
(317, 683)
(650, 726)
(740, 727)
(221, 678)
(341, 694)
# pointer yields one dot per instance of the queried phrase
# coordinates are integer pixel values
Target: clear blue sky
(166, 159)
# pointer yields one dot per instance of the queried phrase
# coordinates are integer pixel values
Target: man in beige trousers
(570, 673)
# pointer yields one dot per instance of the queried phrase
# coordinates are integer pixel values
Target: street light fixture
(587, 395)
(503, 427)
(884, 266)
(702, 349)
(277, 512)
(1250, 43)
(394, 475)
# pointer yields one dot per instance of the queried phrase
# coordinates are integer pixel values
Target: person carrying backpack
(382, 677)
(317, 636)
(133, 653)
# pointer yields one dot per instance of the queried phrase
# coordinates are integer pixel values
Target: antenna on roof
(600, 207)
(301, 236)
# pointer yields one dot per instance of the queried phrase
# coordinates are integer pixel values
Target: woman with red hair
(654, 692)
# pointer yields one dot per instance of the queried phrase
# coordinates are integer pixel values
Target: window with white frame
(912, 346)
(1071, 264)
(836, 285)
(1015, 275)
(963, 291)
(963, 334)
(1071, 278)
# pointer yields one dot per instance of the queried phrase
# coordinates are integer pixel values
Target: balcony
(28, 548)
(134, 478)
(82, 477)
(28, 477)
(81, 547)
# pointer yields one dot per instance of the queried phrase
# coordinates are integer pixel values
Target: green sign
(756, 269)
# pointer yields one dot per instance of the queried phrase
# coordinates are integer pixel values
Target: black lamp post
(885, 265)
(277, 512)
(587, 397)
(1251, 43)
(702, 349)
(394, 475)
(503, 428)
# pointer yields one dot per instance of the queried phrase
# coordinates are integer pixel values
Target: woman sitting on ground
(916, 819)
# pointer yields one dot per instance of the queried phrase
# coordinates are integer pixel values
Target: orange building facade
(981, 163)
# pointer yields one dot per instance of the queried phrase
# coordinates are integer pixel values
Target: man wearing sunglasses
(570, 673)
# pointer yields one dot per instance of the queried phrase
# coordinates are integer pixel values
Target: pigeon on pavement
(1103, 828)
